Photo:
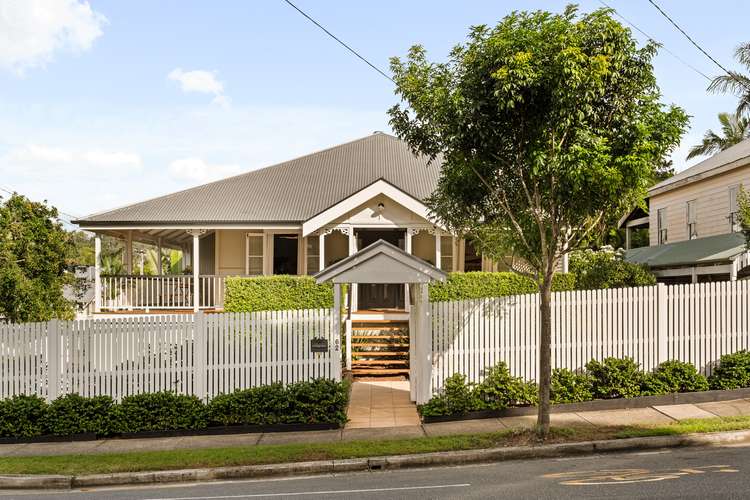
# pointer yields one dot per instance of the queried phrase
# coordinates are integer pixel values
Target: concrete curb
(371, 464)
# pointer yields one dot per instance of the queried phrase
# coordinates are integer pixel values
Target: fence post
(336, 352)
(53, 360)
(662, 323)
(199, 354)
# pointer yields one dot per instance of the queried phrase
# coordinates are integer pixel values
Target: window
(734, 213)
(285, 250)
(313, 254)
(446, 253)
(692, 220)
(661, 216)
(254, 246)
(472, 260)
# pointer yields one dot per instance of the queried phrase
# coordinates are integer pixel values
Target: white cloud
(201, 81)
(41, 159)
(32, 31)
(196, 170)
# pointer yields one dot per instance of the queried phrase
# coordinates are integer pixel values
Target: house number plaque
(319, 344)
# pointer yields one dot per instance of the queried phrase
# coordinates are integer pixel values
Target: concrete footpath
(653, 416)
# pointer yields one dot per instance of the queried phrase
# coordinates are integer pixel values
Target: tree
(546, 125)
(33, 252)
(734, 129)
(735, 82)
(743, 203)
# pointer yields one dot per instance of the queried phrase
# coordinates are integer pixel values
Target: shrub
(22, 416)
(673, 376)
(159, 411)
(476, 285)
(570, 387)
(733, 371)
(607, 269)
(456, 398)
(614, 378)
(74, 414)
(276, 293)
(318, 401)
(500, 389)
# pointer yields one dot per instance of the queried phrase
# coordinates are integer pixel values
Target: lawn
(266, 454)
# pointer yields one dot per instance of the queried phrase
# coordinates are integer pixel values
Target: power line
(725, 70)
(701, 73)
(316, 23)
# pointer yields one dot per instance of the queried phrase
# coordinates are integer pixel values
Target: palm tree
(735, 82)
(734, 128)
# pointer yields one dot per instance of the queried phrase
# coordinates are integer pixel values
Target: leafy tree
(743, 203)
(81, 249)
(607, 269)
(735, 82)
(734, 129)
(33, 251)
(546, 125)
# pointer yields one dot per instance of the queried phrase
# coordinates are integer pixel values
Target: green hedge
(276, 293)
(477, 285)
(314, 402)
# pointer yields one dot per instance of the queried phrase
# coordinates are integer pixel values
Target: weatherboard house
(295, 218)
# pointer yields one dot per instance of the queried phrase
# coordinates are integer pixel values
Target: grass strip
(267, 454)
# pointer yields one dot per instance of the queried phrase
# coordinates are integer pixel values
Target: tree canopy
(33, 252)
(734, 129)
(547, 126)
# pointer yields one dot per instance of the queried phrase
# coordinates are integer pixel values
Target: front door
(380, 296)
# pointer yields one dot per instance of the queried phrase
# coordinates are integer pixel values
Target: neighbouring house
(295, 218)
(693, 222)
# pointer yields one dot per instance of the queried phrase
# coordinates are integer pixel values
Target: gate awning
(381, 262)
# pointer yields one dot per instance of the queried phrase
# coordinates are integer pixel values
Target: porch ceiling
(170, 238)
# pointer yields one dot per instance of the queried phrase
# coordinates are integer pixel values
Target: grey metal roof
(292, 191)
(706, 168)
(710, 250)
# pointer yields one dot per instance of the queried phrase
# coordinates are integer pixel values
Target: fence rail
(694, 323)
(201, 354)
(160, 292)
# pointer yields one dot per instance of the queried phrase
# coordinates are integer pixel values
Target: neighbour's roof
(710, 250)
(292, 191)
(734, 156)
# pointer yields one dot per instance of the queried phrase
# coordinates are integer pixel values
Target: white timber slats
(694, 323)
(120, 293)
(201, 354)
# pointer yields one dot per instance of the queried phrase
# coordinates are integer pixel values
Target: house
(297, 218)
(693, 222)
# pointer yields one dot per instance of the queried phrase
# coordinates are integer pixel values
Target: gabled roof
(289, 192)
(381, 262)
(730, 158)
(710, 250)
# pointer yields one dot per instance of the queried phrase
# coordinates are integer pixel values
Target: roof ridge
(233, 177)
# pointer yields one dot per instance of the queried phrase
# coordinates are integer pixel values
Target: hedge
(319, 401)
(276, 293)
(477, 285)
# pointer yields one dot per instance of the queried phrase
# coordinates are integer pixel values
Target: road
(678, 473)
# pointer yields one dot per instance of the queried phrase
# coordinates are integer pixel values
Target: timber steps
(380, 348)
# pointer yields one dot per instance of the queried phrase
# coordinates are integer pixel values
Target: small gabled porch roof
(381, 263)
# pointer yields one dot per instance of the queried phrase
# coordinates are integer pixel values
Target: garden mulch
(642, 417)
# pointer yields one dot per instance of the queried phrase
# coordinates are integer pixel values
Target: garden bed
(600, 404)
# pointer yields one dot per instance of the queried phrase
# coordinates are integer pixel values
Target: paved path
(716, 472)
(640, 416)
(381, 404)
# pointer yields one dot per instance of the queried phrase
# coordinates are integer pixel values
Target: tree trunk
(545, 353)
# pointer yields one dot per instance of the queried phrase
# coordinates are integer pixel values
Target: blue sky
(109, 102)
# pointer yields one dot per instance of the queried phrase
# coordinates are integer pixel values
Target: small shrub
(74, 414)
(673, 376)
(614, 378)
(22, 416)
(276, 293)
(570, 387)
(159, 411)
(733, 371)
(607, 269)
(477, 285)
(456, 398)
(318, 401)
(500, 389)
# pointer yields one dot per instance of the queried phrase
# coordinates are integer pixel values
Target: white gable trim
(363, 196)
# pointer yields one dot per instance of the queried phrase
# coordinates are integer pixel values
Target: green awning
(711, 250)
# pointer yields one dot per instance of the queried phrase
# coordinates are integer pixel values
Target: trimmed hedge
(315, 402)
(276, 293)
(478, 284)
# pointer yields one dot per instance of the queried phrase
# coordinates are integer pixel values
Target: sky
(105, 103)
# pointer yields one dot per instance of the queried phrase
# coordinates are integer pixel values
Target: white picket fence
(201, 354)
(694, 323)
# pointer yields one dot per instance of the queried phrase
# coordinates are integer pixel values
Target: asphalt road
(678, 473)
